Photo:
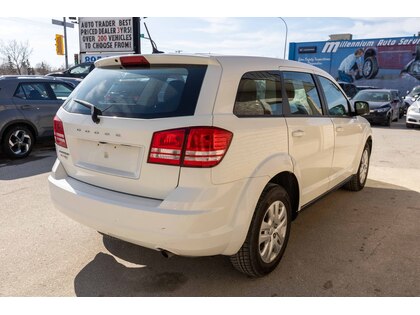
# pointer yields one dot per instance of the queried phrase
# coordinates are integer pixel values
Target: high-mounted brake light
(59, 136)
(134, 61)
(190, 147)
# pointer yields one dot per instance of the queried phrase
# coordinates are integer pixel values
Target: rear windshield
(155, 92)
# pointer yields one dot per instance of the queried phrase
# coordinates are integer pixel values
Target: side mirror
(361, 108)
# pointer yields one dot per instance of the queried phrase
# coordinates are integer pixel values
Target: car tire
(268, 234)
(417, 57)
(18, 142)
(409, 125)
(358, 180)
(401, 112)
(370, 67)
(388, 120)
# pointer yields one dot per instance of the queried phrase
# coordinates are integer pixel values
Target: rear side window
(34, 91)
(259, 94)
(61, 91)
(302, 94)
(156, 92)
(336, 101)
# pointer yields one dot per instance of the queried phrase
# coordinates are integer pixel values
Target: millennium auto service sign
(106, 34)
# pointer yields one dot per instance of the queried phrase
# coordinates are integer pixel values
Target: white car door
(348, 133)
(311, 135)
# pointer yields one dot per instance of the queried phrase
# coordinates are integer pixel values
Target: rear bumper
(190, 222)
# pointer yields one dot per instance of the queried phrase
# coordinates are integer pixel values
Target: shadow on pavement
(38, 162)
(400, 124)
(346, 244)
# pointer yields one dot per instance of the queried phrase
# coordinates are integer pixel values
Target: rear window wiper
(94, 111)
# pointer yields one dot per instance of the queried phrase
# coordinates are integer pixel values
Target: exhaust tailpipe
(166, 254)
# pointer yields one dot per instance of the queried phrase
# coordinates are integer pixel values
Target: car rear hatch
(105, 128)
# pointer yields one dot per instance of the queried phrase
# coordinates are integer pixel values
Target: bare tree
(7, 68)
(16, 54)
(43, 68)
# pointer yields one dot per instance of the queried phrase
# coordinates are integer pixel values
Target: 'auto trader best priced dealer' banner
(106, 34)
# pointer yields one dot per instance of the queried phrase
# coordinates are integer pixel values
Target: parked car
(410, 98)
(385, 105)
(208, 155)
(27, 108)
(349, 88)
(413, 114)
(72, 81)
(78, 71)
(366, 87)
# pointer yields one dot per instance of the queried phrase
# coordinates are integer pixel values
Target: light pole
(285, 40)
(140, 18)
(65, 25)
(65, 43)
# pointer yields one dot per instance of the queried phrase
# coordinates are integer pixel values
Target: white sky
(258, 34)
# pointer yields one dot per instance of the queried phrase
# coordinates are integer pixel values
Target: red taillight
(166, 147)
(60, 138)
(206, 146)
(134, 61)
(190, 147)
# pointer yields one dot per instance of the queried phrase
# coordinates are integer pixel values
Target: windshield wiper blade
(94, 111)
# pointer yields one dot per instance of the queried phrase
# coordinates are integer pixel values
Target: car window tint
(155, 92)
(336, 102)
(36, 91)
(302, 94)
(20, 92)
(61, 91)
(259, 94)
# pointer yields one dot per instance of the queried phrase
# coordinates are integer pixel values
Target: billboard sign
(94, 57)
(385, 62)
(101, 34)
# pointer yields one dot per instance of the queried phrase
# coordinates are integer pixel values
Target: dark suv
(27, 108)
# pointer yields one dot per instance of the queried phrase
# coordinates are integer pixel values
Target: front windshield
(372, 96)
(415, 91)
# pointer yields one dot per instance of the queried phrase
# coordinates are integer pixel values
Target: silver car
(27, 108)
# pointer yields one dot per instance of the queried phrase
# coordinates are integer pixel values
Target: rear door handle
(298, 133)
(26, 107)
(339, 129)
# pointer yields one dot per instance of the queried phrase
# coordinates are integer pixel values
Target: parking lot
(346, 244)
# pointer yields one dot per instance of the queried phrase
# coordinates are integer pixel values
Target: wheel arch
(290, 183)
(369, 141)
(278, 169)
(370, 52)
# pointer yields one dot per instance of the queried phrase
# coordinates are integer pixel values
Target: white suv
(205, 155)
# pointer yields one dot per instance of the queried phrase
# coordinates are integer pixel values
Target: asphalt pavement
(346, 244)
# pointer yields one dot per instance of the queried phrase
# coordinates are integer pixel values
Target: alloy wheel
(272, 231)
(364, 165)
(19, 142)
(367, 68)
